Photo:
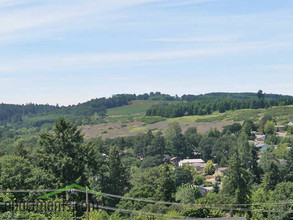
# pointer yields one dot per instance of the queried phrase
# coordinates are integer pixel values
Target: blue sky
(71, 51)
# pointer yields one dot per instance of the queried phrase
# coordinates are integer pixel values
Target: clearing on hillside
(123, 127)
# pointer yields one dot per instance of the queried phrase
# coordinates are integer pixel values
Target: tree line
(10, 113)
(206, 107)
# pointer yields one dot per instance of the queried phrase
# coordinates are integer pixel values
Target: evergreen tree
(117, 178)
(260, 94)
(64, 154)
(216, 188)
(248, 157)
(157, 146)
(289, 167)
(272, 177)
(235, 185)
(165, 185)
(21, 150)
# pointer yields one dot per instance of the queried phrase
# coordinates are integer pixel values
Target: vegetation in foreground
(139, 167)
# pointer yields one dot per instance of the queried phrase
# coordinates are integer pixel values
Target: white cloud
(55, 12)
(179, 3)
(202, 39)
(108, 60)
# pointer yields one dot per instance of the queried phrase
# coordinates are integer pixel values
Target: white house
(290, 123)
(198, 164)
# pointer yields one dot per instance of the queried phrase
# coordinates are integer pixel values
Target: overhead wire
(213, 206)
(139, 212)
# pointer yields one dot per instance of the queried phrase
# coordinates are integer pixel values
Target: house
(279, 128)
(264, 147)
(281, 134)
(204, 190)
(260, 137)
(255, 132)
(198, 164)
(290, 123)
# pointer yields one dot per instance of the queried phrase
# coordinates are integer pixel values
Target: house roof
(280, 126)
(192, 161)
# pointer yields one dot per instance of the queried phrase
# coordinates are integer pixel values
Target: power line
(138, 212)
(215, 206)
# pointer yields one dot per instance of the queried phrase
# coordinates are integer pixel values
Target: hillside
(124, 115)
(129, 120)
(35, 115)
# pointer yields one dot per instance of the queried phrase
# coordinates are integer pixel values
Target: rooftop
(192, 161)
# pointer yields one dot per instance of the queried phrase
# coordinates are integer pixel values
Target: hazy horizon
(138, 94)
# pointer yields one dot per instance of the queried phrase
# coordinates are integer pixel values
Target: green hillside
(137, 107)
(139, 124)
(125, 120)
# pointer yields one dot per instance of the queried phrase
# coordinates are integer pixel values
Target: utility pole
(73, 211)
(87, 204)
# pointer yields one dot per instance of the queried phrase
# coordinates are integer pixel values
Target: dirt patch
(132, 128)
(110, 130)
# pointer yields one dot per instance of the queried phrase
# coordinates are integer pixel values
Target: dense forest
(206, 107)
(225, 95)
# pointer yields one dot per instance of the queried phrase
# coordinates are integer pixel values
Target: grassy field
(130, 120)
(282, 114)
(136, 108)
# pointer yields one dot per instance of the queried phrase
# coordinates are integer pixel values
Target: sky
(71, 51)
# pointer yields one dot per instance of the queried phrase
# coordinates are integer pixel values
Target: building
(279, 128)
(204, 190)
(260, 137)
(198, 164)
(290, 123)
(263, 147)
(255, 132)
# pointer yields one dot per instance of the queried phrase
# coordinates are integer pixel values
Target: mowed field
(130, 120)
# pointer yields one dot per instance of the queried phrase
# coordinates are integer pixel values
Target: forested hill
(209, 104)
(226, 95)
(10, 113)
(14, 113)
